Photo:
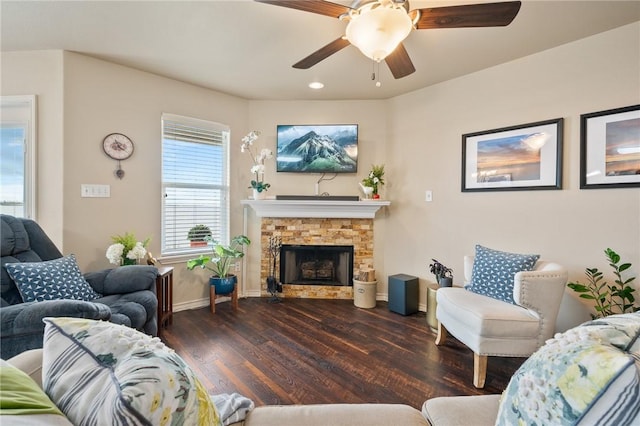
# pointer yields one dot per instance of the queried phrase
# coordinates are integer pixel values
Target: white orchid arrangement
(375, 178)
(258, 160)
(126, 250)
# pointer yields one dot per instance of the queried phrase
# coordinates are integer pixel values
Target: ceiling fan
(378, 27)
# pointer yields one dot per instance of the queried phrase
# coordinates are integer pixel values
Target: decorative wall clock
(119, 147)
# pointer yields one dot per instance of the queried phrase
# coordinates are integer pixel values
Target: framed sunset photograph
(610, 148)
(523, 157)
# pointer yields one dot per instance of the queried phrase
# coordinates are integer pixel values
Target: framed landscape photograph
(610, 148)
(317, 148)
(523, 157)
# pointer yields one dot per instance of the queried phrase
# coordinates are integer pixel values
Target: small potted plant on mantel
(220, 261)
(444, 275)
(373, 179)
(198, 235)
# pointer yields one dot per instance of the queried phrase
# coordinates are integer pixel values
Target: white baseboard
(192, 304)
(201, 303)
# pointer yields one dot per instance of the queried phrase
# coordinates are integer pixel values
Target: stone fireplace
(319, 232)
(317, 221)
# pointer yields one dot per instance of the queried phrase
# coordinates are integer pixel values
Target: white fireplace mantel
(365, 209)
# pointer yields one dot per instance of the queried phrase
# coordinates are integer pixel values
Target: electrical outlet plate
(95, 191)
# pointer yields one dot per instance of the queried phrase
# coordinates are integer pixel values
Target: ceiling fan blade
(399, 62)
(320, 7)
(322, 53)
(471, 15)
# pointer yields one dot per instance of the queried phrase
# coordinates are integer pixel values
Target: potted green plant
(616, 298)
(444, 275)
(374, 178)
(198, 234)
(126, 249)
(220, 261)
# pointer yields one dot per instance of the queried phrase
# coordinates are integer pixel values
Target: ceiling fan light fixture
(377, 29)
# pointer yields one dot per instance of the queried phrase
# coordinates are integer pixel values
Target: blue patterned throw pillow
(51, 280)
(494, 271)
(589, 375)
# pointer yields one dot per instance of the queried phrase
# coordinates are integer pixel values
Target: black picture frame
(610, 148)
(517, 158)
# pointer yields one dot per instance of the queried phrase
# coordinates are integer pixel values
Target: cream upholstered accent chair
(491, 327)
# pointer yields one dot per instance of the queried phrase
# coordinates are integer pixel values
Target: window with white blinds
(195, 181)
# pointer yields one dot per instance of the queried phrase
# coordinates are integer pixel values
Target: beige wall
(417, 136)
(40, 73)
(102, 98)
(570, 226)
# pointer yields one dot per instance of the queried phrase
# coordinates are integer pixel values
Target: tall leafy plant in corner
(616, 298)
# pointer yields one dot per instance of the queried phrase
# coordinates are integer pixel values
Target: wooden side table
(431, 307)
(164, 292)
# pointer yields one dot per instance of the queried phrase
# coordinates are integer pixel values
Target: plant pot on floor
(224, 285)
(364, 293)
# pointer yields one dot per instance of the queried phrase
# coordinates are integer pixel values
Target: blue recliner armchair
(128, 292)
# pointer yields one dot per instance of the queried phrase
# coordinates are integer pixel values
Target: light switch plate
(95, 191)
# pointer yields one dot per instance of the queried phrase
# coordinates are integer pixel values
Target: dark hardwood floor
(310, 351)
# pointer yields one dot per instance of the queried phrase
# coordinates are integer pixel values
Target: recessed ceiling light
(316, 85)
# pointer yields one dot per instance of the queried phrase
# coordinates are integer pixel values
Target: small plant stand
(213, 296)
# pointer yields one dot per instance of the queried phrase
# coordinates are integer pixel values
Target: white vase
(367, 191)
(259, 195)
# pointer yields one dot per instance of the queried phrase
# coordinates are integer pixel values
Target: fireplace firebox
(316, 265)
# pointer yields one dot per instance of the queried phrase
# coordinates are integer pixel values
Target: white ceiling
(246, 48)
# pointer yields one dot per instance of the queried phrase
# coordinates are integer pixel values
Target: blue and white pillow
(589, 375)
(494, 272)
(51, 280)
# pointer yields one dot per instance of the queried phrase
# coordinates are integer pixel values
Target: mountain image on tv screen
(317, 149)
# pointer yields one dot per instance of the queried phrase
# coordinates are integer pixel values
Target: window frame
(225, 187)
(29, 103)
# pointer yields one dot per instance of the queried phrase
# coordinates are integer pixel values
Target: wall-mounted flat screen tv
(321, 148)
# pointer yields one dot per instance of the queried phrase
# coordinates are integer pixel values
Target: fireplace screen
(316, 265)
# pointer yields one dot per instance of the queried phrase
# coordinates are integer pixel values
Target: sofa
(587, 375)
(124, 295)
